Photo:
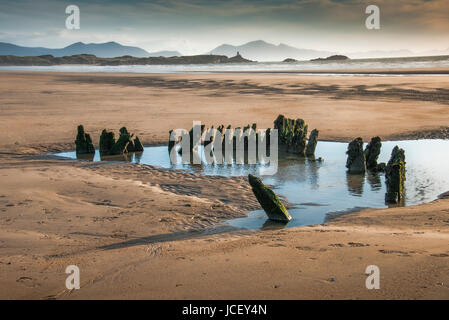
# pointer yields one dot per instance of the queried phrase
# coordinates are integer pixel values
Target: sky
(198, 26)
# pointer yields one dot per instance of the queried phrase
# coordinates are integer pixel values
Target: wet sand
(373, 71)
(137, 231)
(43, 109)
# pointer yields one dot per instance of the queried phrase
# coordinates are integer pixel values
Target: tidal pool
(316, 191)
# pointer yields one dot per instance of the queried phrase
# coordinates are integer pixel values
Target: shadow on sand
(167, 237)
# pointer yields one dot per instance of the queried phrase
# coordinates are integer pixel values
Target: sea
(303, 67)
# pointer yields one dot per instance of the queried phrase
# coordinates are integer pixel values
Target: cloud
(202, 24)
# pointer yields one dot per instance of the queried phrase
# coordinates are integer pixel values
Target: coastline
(398, 71)
(434, 71)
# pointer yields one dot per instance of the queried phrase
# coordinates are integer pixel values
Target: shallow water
(355, 64)
(318, 190)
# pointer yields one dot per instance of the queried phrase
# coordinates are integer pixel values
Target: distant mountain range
(255, 50)
(103, 50)
(263, 51)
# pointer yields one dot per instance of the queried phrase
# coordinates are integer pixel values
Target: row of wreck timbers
(358, 162)
(292, 137)
(108, 145)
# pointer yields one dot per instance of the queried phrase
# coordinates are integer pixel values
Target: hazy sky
(197, 26)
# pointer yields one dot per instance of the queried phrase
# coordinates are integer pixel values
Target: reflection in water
(355, 183)
(126, 157)
(224, 158)
(374, 180)
(313, 172)
(401, 203)
(273, 225)
(315, 188)
(133, 157)
(138, 156)
(85, 157)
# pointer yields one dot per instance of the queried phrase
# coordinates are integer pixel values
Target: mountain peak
(104, 50)
(79, 43)
(75, 45)
(257, 42)
(110, 43)
(261, 50)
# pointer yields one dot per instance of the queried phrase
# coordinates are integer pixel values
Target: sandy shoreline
(362, 72)
(138, 231)
(341, 107)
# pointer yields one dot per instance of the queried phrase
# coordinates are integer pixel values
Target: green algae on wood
(381, 167)
(292, 133)
(83, 142)
(107, 141)
(299, 137)
(124, 144)
(395, 176)
(356, 157)
(372, 152)
(138, 146)
(311, 144)
(269, 201)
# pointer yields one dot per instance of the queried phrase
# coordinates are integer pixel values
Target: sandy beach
(142, 232)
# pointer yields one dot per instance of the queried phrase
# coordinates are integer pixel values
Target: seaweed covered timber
(293, 135)
(395, 176)
(356, 162)
(89, 59)
(124, 144)
(83, 142)
(311, 145)
(269, 201)
(359, 161)
(372, 152)
(223, 138)
(108, 145)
